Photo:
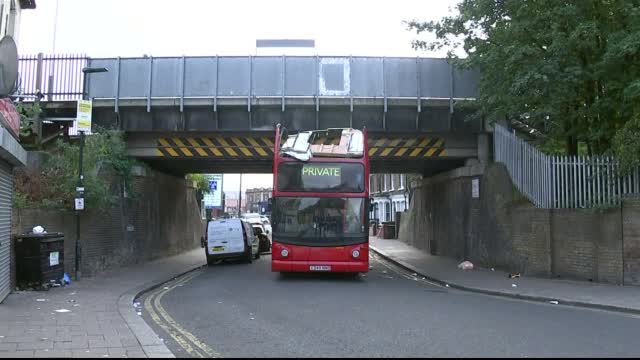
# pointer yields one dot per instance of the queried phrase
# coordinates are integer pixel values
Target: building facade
(10, 11)
(258, 200)
(390, 194)
(11, 152)
(231, 203)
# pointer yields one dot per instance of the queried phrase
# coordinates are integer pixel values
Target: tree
(568, 67)
(54, 185)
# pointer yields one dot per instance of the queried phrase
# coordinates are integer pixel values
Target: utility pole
(80, 195)
(79, 200)
(240, 198)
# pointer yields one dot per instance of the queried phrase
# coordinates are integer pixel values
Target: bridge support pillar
(484, 148)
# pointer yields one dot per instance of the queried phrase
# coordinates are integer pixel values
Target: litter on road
(554, 302)
(465, 265)
(63, 311)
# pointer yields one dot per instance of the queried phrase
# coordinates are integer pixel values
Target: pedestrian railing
(554, 182)
(53, 77)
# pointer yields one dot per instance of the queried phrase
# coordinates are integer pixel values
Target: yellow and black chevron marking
(420, 147)
(218, 146)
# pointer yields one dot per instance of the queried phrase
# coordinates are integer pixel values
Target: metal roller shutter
(6, 192)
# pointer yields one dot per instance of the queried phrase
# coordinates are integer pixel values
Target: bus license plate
(218, 248)
(320, 268)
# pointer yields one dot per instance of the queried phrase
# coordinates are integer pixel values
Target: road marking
(184, 338)
(176, 336)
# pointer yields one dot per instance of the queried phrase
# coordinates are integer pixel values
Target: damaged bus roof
(324, 143)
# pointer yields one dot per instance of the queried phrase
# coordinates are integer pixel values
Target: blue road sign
(213, 185)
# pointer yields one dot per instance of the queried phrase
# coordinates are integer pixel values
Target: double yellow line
(184, 338)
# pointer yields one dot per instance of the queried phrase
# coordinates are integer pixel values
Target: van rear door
(225, 237)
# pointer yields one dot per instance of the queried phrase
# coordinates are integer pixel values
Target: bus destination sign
(324, 171)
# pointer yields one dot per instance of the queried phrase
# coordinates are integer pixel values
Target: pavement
(93, 317)
(445, 271)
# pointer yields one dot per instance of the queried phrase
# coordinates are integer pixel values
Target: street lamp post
(80, 186)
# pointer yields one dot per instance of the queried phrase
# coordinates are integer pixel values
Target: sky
(101, 28)
(108, 28)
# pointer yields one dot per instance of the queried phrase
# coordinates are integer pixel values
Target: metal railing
(55, 77)
(555, 182)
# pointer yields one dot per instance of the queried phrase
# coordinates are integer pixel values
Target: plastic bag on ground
(465, 265)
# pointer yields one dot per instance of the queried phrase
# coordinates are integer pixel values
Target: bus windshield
(319, 221)
(321, 177)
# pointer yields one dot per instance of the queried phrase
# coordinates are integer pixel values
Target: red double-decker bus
(320, 204)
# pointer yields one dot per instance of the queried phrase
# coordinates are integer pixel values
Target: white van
(230, 238)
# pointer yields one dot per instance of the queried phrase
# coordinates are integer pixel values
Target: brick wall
(631, 236)
(162, 220)
(416, 228)
(587, 244)
(530, 241)
(501, 229)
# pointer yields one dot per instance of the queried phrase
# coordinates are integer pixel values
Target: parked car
(251, 217)
(255, 218)
(265, 242)
(267, 226)
(230, 239)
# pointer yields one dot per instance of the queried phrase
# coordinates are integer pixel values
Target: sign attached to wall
(54, 258)
(9, 117)
(83, 116)
(475, 188)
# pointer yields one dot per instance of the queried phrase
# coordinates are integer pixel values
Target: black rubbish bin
(388, 230)
(39, 260)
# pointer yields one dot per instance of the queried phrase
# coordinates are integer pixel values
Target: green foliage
(54, 185)
(569, 68)
(627, 145)
(29, 112)
(201, 180)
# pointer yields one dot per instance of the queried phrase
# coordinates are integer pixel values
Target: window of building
(2, 32)
(387, 211)
(402, 181)
(384, 180)
(393, 185)
(394, 207)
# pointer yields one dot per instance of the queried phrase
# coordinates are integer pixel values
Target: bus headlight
(355, 253)
(284, 252)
